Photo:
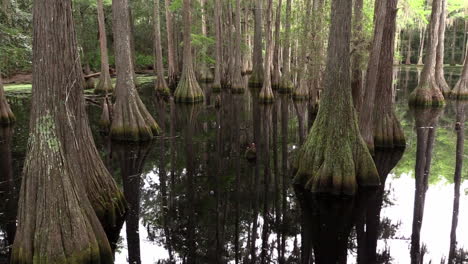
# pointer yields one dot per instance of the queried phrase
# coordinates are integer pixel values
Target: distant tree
(276, 51)
(172, 71)
(286, 85)
(256, 78)
(160, 83)
(6, 115)
(460, 91)
(266, 94)
(439, 67)
(218, 49)
(104, 85)
(237, 79)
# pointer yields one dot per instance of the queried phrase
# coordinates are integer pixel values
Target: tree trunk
(439, 68)
(302, 89)
(286, 85)
(219, 45)
(171, 46)
(256, 78)
(205, 72)
(323, 165)
(160, 84)
(56, 221)
(408, 50)
(238, 80)
(387, 131)
(188, 90)
(427, 93)
(454, 43)
(460, 91)
(465, 50)
(6, 115)
(89, 82)
(131, 121)
(266, 94)
(366, 114)
(422, 37)
(357, 58)
(104, 84)
(276, 62)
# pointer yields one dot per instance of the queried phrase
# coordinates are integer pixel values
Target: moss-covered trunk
(334, 158)
(56, 220)
(6, 115)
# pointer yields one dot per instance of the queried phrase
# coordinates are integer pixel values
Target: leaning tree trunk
(160, 84)
(131, 120)
(237, 79)
(357, 59)
(256, 78)
(366, 113)
(219, 45)
(334, 159)
(56, 221)
(460, 91)
(286, 85)
(439, 68)
(188, 89)
(387, 129)
(276, 61)
(427, 93)
(104, 84)
(266, 94)
(6, 115)
(171, 46)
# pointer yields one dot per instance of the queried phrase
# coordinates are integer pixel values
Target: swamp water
(195, 198)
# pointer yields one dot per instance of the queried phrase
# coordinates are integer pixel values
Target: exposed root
(388, 132)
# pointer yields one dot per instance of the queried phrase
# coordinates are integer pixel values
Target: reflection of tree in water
(457, 255)
(132, 158)
(8, 195)
(426, 123)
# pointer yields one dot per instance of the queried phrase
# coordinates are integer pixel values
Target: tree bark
(357, 58)
(219, 43)
(336, 160)
(171, 46)
(131, 121)
(56, 221)
(276, 62)
(439, 68)
(387, 131)
(460, 91)
(422, 37)
(302, 89)
(256, 78)
(104, 84)
(454, 43)
(188, 90)
(160, 83)
(366, 114)
(205, 72)
(427, 93)
(266, 94)
(237, 79)
(408, 50)
(6, 115)
(286, 85)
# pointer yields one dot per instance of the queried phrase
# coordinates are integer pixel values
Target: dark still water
(195, 198)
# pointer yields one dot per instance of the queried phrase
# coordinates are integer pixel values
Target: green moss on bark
(426, 96)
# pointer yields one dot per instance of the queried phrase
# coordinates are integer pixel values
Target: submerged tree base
(460, 91)
(188, 91)
(388, 132)
(426, 97)
(216, 88)
(256, 80)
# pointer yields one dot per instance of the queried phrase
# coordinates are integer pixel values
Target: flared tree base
(388, 132)
(460, 91)
(104, 86)
(216, 88)
(256, 80)
(334, 162)
(237, 89)
(188, 91)
(426, 97)
(92, 255)
(89, 84)
(105, 120)
(6, 115)
(162, 90)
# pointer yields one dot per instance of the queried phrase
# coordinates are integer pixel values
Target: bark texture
(217, 23)
(188, 90)
(276, 58)
(427, 93)
(286, 85)
(160, 83)
(237, 79)
(171, 46)
(6, 115)
(387, 131)
(104, 84)
(439, 68)
(334, 159)
(302, 89)
(56, 221)
(266, 94)
(256, 78)
(357, 59)
(131, 120)
(460, 91)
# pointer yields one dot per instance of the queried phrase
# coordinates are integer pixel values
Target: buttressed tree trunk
(56, 222)
(357, 59)
(131, 120)
(104, 84)
(334, 159)
(256, 78)
(387, 129)
(427, 93)
(439, 68)
(188, 89)
(266, 94)
(217, 74)
(6, 115)
(286, 85)
(171, 46)
(237, 79)
(366, 113)
(276, 62)
(460, 91)
(160, 84)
